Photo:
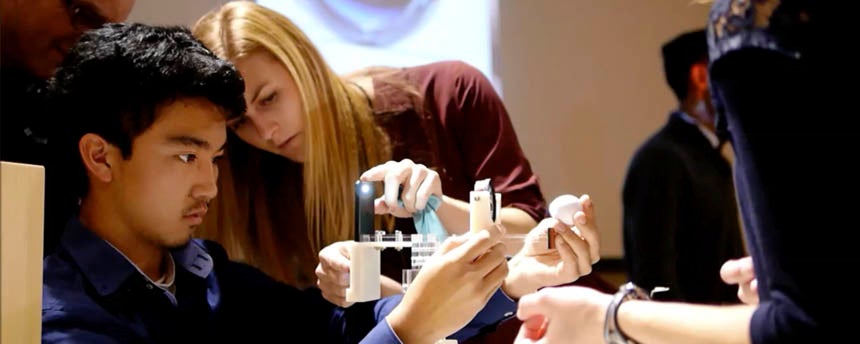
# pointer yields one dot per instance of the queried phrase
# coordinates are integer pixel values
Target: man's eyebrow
(189, 141)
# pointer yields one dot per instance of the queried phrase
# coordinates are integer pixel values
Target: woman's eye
(269, 99)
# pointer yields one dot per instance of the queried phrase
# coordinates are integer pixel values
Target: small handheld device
(364, 262)
(485, 206)
(562, 208)
(365, 193)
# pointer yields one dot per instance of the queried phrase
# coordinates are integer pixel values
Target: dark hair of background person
(679, 55)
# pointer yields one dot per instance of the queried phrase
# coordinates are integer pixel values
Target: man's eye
(187, 158)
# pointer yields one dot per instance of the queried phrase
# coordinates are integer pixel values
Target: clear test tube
(423, 247)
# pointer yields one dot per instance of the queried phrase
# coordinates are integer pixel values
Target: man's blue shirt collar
(107, 269)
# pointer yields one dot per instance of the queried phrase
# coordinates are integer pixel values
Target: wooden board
(21, 234)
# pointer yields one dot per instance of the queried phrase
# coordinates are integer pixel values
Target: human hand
(418, 181)
(333, 275)
(537, 266)
(585, 224)
(452, 287)
(333, 272)
(742, 273)
(562, 315)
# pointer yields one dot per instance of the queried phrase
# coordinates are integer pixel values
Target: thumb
(730, 272)
(533, 328)
(338, 261)
(451, 243)
(380, 207)
(531, 305)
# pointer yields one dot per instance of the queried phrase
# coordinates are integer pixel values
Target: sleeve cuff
(382, 334)
(510, 299)
(497, 309)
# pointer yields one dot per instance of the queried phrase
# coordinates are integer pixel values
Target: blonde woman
(434, 129)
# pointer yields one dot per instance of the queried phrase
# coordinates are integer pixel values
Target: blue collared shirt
(93, 294)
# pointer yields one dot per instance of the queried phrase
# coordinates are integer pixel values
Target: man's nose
(207, 186)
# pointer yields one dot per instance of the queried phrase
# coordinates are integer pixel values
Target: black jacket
(680, 216)
(26, 126)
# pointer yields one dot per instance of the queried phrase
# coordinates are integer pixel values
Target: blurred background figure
(36, 36)
(680, 214)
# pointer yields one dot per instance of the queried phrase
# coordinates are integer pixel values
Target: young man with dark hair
(144, 111)
(680, 215)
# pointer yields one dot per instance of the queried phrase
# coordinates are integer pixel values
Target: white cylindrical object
(564, 207)
(480, 216)
(364, 272)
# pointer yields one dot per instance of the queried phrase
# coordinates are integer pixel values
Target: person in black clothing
(775, 72)
(680, 214)
(36, 36)
(776, 67)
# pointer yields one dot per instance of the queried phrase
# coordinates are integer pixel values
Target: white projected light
(353, 34)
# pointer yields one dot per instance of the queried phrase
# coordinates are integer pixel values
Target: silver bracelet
(611, 333)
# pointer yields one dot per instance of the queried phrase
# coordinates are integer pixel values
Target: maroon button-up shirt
(457, 125)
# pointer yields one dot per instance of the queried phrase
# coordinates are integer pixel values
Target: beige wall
(584, 85)
(582, 80)
(171, 12)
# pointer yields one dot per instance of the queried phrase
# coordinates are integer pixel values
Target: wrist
(514, 285)
(407, 330)
(454, 215)
(612, 333)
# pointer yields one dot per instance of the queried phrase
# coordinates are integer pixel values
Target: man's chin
(178, 242)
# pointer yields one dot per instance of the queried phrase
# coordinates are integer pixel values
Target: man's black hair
(116, 77)
(679, 55)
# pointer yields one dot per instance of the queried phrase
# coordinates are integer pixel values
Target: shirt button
(149, 286)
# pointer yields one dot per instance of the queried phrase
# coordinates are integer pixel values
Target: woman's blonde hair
(251, 217)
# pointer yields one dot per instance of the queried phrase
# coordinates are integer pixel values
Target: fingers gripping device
(364, 264)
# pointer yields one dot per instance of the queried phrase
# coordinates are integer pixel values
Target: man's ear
(699, 78)
(97, 155)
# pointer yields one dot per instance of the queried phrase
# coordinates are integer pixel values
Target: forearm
(412, 328)
(670, 322)
(517, 221)
(390, 287)
(407, 330)
(454, 215)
